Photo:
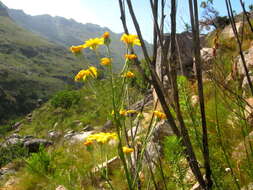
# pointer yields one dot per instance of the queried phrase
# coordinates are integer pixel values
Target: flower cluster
(127, 112)
(83, 74)
(101, 138)
(93, 43)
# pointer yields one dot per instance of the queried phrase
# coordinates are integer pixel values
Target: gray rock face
(33, 145)
(248, 55)
(16, 125)
(248, 187)
(29, 142)
(185, 50)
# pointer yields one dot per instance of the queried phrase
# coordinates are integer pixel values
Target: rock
(194, 100)
(248, 56)
(239, 152)
(107, 126)
(162, 130)
(16, 125)
(33, 145)
(135, 131)
(80, 136)
(110, 164)
(29, 115)
(248, 187)
(14, 139)
(88, 128)
(60, 187)
(248, 110)
(69, 134)
(228, 31)
(145, 102)
(54, 134)
(196, 187)
(245, 83)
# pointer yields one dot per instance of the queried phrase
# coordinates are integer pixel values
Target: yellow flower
(127, 112)
(83, 74)
(102, 137)
(93, 71)
(93, 43)
(130, 56)
(76, 49)
(123, 112)
(160, 115)
(106, 38)
(127, 150)
(131, 111)
(130, 39)
(105, 61)
(128, 74)
(106, 35)
(87, 143)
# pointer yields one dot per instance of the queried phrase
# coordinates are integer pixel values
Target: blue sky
(106, 12)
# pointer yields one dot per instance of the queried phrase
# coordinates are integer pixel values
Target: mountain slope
(31, 67)
(67, 31)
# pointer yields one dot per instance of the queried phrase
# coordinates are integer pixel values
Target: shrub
(40, 163)
(7, 154)
(65, 99)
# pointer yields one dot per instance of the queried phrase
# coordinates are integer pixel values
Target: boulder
(107, 126)
(54, 134)
(78, 137)
(60, 187)
(16, 125)
(29, 142)
(228, 31)
(239, 152)
(248, 187)
(33, 145)
(248, 56)
(248, 110)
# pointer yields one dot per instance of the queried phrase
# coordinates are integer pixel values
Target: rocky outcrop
(185, 50)
(228, 30)
(31, 143)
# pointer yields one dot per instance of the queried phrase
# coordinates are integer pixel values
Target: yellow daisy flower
(127, 150)
(83, 74)
(76, 49)
(130, 56)
(105, 61)
(130, 40)
(93, 71)
(93, 43)
(160, 115)
(106, 35)
(128, 74)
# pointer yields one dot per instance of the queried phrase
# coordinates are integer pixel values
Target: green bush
(65, 99)
(40, 163)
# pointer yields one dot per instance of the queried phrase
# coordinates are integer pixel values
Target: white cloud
(65, 8)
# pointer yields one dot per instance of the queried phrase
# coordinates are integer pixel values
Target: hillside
(31, 68)
(68, 32)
